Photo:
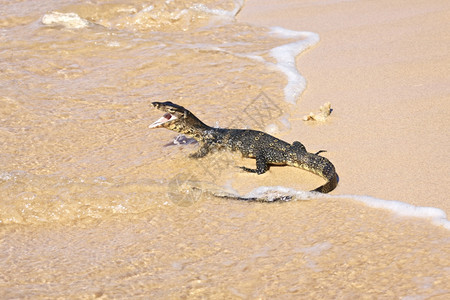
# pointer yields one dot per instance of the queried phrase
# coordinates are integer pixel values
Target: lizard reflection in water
(266, 149)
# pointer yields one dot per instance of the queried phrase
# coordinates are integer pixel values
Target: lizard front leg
(204, 149)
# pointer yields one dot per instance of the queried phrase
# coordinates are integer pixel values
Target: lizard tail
(329, 186)
(321, 166)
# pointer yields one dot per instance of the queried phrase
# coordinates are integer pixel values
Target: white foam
(68, 20)
(285, 56)
(285, 59)
(271, 193)
(148, 8)
(437, 216)
(285, 121)
(5, 176)
(316, 249)
(220, 12)
(272, 129)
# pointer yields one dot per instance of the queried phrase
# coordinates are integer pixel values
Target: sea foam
(436, 215)
(285, 56)
(238, 4)
(285, 59)
(67, 20)
(271, 193)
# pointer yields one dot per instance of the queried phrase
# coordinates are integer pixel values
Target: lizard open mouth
(167, 117)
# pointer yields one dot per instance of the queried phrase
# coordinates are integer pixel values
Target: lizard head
(174, 113)
(176, 118)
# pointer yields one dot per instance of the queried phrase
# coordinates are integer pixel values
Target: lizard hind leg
(261, 166)
(298, 146)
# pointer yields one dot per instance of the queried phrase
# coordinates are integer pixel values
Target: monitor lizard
(266, 149)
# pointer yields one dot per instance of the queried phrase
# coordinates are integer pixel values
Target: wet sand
(329, 249)
(384, 66)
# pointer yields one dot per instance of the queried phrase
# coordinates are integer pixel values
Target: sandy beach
(95, 204)
(384, 67)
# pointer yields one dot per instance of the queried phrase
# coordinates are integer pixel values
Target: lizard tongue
(166, 118)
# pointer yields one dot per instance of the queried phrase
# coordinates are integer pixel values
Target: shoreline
(385, 76)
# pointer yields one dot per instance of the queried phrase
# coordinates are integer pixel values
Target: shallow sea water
(95, 204)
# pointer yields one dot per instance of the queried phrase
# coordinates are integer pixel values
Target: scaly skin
(266, 149)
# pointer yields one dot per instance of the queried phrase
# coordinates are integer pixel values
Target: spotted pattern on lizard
(266, 149)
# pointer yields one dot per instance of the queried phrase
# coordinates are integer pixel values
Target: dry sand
(384, 66)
